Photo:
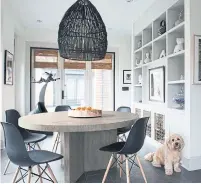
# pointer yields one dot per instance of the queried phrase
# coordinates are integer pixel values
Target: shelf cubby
(176, 68)
(147, 49)
(138, 56)
(174, 13)
(138, 95)
(159, 127)
(138, 72)
(172, 36)
(148, 114)
(138, 38)
(158, 46)
(147, 35)
(173, 90)
(138, 112)
(156, 25)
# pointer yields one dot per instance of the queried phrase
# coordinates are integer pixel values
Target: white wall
(195, 90)
(20, 74)
(1, 75)
(8, 44)
(9, 27)
(117, 42)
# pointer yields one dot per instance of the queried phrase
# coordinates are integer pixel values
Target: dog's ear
(182, 143)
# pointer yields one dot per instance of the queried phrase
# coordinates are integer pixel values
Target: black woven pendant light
(82, 33)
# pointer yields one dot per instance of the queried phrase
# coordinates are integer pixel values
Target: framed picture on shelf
(126, 76)
(157, 84)
(8, 68)
(197, 60)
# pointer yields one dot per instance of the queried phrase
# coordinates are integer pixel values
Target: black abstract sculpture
(82, 33)
(49, 78)
(40, 107)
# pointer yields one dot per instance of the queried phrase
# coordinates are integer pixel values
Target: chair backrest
(136, 136)
(15, 146)
(124, 109)
(12, 117)
(62, 108)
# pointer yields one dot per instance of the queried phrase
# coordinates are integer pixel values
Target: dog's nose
(176, 143)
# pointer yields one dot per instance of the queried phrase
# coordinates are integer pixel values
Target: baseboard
(191, 164)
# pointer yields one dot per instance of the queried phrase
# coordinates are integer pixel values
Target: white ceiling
(117, 14)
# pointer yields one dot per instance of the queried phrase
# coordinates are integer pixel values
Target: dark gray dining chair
(121, 132)
(128, 149)
(18, 155)
(57, 139)
(30, 139)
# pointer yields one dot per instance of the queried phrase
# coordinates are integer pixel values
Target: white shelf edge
(138, 50)
(138, 67)
(160, 37)
(176, 110)
(176, 54)
(153, 62)
(147, 44)
(176, 82)
(176, 27)
(138, 85)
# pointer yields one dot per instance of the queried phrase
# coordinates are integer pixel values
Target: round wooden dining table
(81, 138)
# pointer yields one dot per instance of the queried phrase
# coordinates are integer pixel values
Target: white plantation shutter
(103, 88)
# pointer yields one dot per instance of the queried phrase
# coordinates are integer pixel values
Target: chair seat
(42, 156)
(123, 130)
(33, 137)
(114, 148)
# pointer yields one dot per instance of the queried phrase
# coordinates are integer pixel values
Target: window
(44, 60)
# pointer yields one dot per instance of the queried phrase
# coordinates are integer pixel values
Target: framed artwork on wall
(157, 84)
(197, 60)
(126, 76)
(8, 68)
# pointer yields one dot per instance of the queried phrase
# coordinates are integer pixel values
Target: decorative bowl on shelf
(162, 28)
(179, 99)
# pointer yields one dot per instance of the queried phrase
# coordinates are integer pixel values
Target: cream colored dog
(168, 155)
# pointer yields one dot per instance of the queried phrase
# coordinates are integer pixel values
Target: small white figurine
(139, 44)
(181, 77)
(147, 59)
(138, 61)
(180, 45)
(163, 54)
(140, 79)
(181, 18)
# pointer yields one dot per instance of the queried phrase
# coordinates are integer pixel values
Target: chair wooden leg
(141, 169)
(121, 160)
(6, 168)
(52, 174)
(29, 175)
(108, 168)
(29, 147)
(15, 176)
(127, 171)
(39, 172)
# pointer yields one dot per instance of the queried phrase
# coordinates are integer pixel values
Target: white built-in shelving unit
(174, 64)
